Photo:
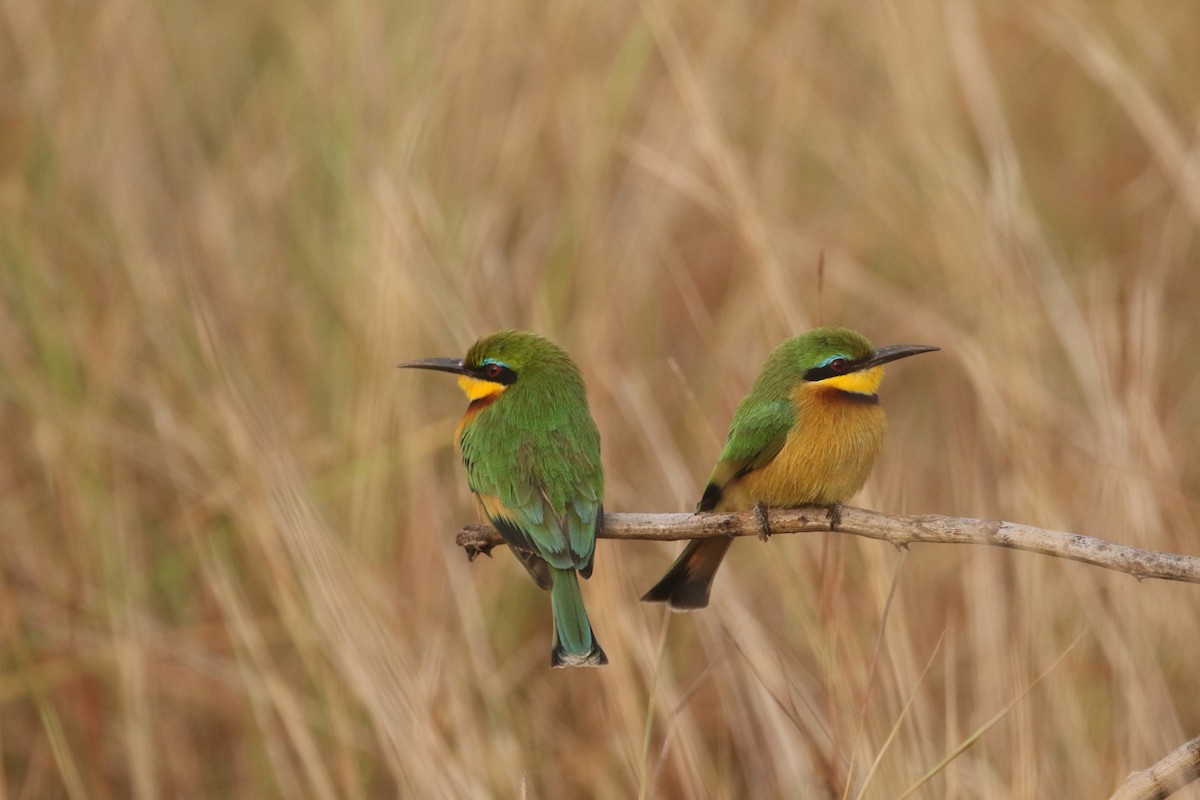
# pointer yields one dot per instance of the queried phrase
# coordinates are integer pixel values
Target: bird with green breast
(806, 434)
(532, 454)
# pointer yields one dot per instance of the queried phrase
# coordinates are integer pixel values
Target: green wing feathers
(756, 435)
(545, 492)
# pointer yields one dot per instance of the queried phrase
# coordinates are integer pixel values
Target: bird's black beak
(452, 365)
(883, 355)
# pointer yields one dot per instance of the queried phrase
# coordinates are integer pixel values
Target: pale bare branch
(1180, 767)
(899, 530)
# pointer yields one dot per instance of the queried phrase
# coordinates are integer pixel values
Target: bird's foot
(764, 524)
(835, 516)
(474, 551)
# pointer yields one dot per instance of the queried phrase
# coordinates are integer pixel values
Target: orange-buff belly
(826, 458)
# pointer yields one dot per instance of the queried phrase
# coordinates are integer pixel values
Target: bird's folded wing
(756, 436)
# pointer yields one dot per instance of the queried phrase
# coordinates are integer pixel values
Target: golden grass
(228, 566)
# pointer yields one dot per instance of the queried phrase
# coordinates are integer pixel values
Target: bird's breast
(469, 417)
(826, 457)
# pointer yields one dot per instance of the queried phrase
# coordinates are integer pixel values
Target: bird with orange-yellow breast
(806, 434)
(532, 454)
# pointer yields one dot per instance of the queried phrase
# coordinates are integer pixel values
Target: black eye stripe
(834, 368)
(494, 373)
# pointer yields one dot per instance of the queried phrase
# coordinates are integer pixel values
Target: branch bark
(901, 531)
(1179, 768)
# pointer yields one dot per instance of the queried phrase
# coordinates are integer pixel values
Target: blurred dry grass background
(227, 564)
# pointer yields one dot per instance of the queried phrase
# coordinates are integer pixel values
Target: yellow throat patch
(862, 382)
(477, 389)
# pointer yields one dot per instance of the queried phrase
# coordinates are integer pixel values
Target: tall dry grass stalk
(228, 565)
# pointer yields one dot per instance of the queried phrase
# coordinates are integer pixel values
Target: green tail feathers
(574, 643)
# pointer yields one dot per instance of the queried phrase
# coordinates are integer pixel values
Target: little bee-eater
(532, 454)
(806, 434)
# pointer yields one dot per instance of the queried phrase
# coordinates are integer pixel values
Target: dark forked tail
(687, 583)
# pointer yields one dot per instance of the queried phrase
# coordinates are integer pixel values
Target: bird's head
(838, 358)
(498, 361)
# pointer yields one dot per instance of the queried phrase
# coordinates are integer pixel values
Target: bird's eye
(837, 365)
(495, 372)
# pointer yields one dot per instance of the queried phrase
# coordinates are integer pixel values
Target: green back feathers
(537, 449)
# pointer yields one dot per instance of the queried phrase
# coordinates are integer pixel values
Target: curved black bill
(454, 365)
(883, 355)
